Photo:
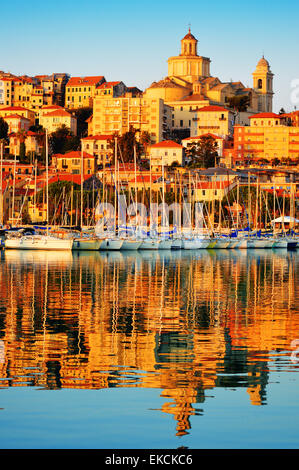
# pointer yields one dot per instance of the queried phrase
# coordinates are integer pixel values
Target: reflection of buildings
(181, 323)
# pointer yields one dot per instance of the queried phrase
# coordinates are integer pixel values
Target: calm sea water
(149, 350)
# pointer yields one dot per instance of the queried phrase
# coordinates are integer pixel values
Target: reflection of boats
(38, 256)
(114, 255)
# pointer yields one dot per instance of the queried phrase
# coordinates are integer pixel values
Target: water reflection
(181, 322)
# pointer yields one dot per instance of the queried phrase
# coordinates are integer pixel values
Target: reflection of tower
(263, 85)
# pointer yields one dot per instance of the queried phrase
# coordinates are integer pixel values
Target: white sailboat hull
(85, 244)
(242, 244)
(111, 244)
(194, 244)
(259, 243)
(177, 244)
(38, 242)
(131, 244)
(150, 244)
(165, 244)
(233, 244)
(221, 243)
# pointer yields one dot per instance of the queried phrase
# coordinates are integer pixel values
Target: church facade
(189, 86)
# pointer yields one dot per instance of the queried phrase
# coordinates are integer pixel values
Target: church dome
(263, 63)
(189, 36)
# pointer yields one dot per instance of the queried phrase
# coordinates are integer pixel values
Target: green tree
(21, 136)
(240, 103)
(23, 158)
(125, 146)
(37, 128)
(145, 140)
(204, 152)
(82, 114)
(3, 129)
(63, 140)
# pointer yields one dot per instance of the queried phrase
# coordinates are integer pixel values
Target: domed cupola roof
(263, 64)
(189, 36)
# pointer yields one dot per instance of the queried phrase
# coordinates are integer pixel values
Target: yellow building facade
(71, 162)
(212, 119)
(20, 111)
(166, 153)
(267, 137)
(117, 115)
(55, 119)
(99, 147)
(80, 91)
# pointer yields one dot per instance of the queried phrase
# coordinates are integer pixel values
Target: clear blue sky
(131, 41)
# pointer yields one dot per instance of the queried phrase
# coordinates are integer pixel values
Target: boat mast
(82, 171)
(14, 185)
(47, 182)
(1, 187)
(115, 195)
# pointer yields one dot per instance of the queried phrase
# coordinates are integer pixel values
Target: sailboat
(39, 242)
(257, 241)
(85, 242)
(130, 240)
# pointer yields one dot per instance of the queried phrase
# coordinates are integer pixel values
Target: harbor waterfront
(149, 231)
(196, 348)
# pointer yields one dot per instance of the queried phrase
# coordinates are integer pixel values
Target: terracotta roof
(73, 154)
(212, 109)
(84, 81)
(194, 97)
(14, 108)
(213, 184)
(167, 143)
(204, 135)
(51, 106)
(32, 134)
(265, 116)
(189, 36)
(98, 137)
(146, 178)
(58, 112)
(15, 116)
(108, 84)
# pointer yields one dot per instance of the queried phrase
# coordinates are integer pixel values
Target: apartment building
(268, 137)
(80, 91)
(99, 147)
(118, 115)
(56, 118)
